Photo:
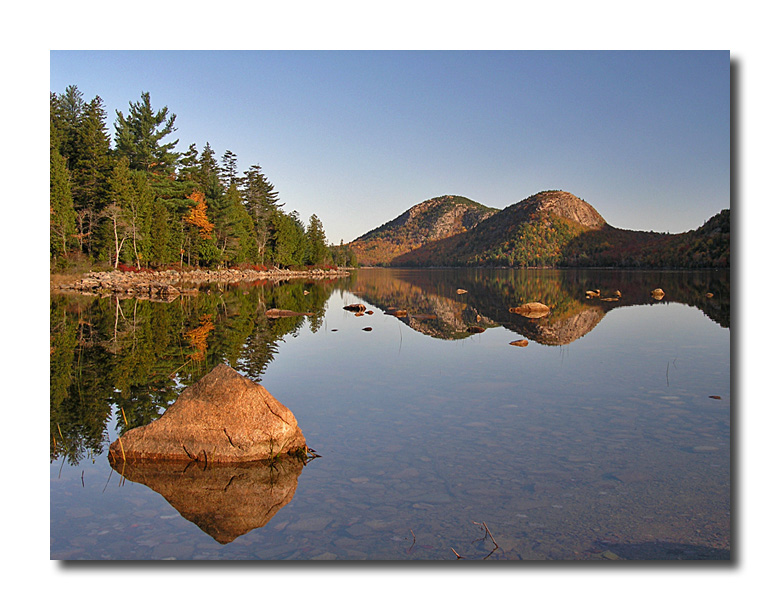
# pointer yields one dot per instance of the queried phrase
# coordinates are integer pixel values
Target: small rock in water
(715, 397)
(475, 329)
(285, 313)
(368, 329)
(520, 343)
(461, 291)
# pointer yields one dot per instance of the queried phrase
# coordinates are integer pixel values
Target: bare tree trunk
(116, 245)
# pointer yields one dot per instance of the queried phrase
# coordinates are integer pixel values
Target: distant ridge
(430, 220)
(549, 229)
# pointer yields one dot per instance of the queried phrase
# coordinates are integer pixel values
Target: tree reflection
(129, 359)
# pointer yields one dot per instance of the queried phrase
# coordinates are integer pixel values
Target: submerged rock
(224, 417)
(285, 313)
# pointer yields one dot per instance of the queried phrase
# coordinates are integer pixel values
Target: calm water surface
(606, 437)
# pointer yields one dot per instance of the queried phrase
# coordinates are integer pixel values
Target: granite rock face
(223, 418)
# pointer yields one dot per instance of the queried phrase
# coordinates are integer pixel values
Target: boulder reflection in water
(225, 501)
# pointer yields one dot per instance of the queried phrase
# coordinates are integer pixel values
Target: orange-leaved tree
(197, 216)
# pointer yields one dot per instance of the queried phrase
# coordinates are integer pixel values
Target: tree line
(141, 203)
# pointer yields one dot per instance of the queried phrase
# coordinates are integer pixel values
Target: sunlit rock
(224, 417)
(657, 294)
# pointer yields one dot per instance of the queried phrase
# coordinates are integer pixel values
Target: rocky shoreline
(169, 284)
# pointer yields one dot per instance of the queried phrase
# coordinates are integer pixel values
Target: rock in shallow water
(224, 417)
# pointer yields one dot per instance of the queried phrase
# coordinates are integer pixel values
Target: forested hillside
(425, 222)
(557, 229)
(140, 203)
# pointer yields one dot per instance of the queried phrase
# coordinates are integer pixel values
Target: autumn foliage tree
(197, 216)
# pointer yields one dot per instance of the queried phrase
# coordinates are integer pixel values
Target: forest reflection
(130, 358)
(127, 359)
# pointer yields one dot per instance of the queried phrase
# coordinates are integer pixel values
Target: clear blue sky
(359, 137)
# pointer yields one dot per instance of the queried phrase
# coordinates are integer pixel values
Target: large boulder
(224, 418)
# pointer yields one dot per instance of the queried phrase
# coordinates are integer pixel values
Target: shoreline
(169, 284)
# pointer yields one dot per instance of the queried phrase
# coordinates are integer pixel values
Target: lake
(606, 437)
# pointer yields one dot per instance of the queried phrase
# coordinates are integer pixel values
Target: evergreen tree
(139, 137)
(188, 164)
(234, 230)
(67, 110)
(91, 169)
(62, 217)
(140, 217)
(207, 173)
(262, 203)
(119, 217)
(317, 247)
(288, 239)
(160, 251)
(229, 170)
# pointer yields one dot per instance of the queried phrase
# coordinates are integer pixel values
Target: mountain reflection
(446, 303)
(225, 501)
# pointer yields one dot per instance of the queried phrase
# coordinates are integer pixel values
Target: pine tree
(229, 170)
(207, 173)
(262, 203)
(141, 217)
(62, 217)
(160, 251)
(317, 248)
(288, 239)
(139, 137)
(91, 169)
(118, 215)
(234, 230)
(188, 164)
